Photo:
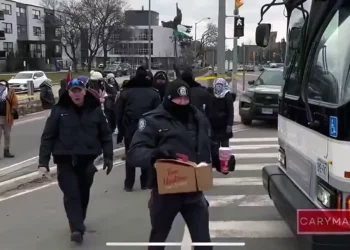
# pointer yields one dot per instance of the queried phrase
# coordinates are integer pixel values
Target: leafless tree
(105, 28)
(209, 38)
(50, 4)
(114, 28)
(71, 29)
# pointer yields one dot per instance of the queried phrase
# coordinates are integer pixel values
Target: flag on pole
(69, 75)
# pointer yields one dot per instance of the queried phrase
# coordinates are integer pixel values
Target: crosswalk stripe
(258, 139)
(238, 181)
(249, 229)
(239, 200)
(256, 155)
(254, 147)
(251, 167)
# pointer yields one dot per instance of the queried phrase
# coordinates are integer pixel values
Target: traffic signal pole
(221, 48)
(221, 38)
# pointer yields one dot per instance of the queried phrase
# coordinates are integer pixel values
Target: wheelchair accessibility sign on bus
(333, 126)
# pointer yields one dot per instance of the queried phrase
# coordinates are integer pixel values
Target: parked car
(20, 81)
(240, 68)
(250, 67)
(260, 100)
(118, 69)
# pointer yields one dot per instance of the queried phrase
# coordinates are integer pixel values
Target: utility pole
(235, 49)
(149, 37)
(221, 38)
(244, 67)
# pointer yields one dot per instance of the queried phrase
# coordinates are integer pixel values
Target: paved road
(240, 210)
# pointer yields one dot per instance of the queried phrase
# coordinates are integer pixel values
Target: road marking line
(238, 181)
(99, 167)
(28, 120)
(256, 155)
(251, 167)
(249, 229)
(239, 200)
(18, 163)
(254, 147)
(258, 139)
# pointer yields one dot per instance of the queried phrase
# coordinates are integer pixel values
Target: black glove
(107, 164)
(119, 138)
(163, 154)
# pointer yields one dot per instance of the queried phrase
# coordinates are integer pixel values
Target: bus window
(297, 19)
(330, 71)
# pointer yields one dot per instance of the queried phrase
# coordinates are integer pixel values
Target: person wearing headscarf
(221, 115)
(135, 99)
(200, 97)
(8, 113)
(160, 82)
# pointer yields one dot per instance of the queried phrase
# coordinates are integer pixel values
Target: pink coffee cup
(224, 156)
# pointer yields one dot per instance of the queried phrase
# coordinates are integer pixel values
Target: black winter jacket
(162, 130)
(135, 99)
(72, 132)
(47, 97)
(221, 116)
(200, 97)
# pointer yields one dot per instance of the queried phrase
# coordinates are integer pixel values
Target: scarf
(221, 88)
(3, 92)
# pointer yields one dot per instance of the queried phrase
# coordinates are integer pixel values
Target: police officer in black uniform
(135, 99)
(175, 127)
(76, 133)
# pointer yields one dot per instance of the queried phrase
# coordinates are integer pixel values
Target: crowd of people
(155, 119)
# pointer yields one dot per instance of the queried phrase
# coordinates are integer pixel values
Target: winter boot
(7, 154)
(76, 237)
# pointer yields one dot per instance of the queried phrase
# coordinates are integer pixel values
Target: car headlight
(249, 93)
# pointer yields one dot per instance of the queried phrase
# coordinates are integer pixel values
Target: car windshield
(271, 77)
(24, 76)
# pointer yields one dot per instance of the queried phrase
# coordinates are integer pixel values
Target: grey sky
(195, 10)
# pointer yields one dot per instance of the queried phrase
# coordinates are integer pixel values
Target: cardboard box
(175, 176)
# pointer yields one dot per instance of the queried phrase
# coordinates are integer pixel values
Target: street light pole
(195, 35)
(149, 36)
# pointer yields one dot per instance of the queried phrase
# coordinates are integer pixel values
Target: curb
(14, 183)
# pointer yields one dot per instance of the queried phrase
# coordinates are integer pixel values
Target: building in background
(133, 46)
(30, 36)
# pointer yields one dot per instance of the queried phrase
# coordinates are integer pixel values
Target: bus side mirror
(294, 38)
(262, 34)
(251, 82)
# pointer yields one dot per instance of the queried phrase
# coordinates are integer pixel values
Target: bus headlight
(326, 196)
(281, 156)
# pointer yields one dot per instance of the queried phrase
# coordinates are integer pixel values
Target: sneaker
(127, 189)
(76, 237)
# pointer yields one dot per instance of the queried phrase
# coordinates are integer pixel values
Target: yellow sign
(239, 3)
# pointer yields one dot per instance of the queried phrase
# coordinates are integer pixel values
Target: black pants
(75, 183)
(130, 171)
(223, 143)
(193, 208)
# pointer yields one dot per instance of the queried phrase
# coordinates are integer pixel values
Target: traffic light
(239, 27)
(239, 3)
(274, 54)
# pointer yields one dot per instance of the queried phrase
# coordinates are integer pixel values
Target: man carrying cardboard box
(176, 130)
